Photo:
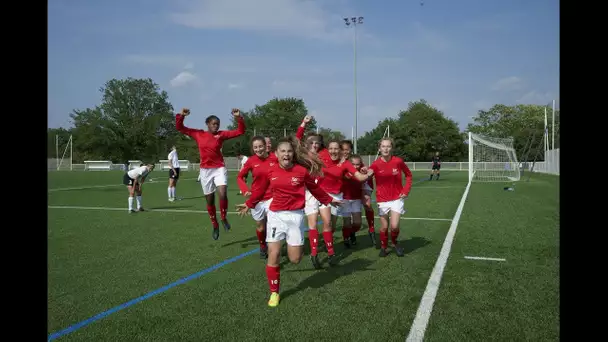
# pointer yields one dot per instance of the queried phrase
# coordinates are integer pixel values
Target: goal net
(492, 159)
(63, 149)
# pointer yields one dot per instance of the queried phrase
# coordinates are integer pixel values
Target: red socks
(223, 208)
(383, 239)
(394, 235)
(211, 211)
(273, 273)
(328, 237)
(346, 233)
(261, 237)
(369, 216)
(313, 238)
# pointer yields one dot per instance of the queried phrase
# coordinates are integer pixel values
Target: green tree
(418, 132)
(274, 119)
(134, 121)
(329, 134)
(524, 123)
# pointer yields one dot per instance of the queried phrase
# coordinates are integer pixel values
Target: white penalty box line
(202, 211)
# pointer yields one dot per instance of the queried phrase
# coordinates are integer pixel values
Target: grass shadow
(250, 241)
(321, 278)
(414, 243)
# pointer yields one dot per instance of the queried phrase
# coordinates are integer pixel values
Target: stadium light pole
(354, 21)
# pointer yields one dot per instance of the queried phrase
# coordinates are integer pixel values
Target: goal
(492, 159)
(64, 159)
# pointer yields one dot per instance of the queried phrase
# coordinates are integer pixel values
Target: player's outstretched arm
(317, 192)
(258, 193)
(179, 123)
(302, 127)
(240, 128)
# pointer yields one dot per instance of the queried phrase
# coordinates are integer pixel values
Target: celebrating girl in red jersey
(390, 193)
(366, 200)
(333, 175)
(258, 165)
(213, 173)
(288, 181)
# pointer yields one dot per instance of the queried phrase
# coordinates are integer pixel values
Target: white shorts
(261, 210)
(351, 206)
(385, 207)
(286, 225)
(335, 211)
(312, 204)
(212, 178)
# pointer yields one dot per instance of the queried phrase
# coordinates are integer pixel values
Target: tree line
(136, 120)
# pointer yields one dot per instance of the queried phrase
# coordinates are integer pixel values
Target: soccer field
(159, 276)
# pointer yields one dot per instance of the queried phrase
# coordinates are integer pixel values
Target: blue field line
(104, 314)
(374, 201)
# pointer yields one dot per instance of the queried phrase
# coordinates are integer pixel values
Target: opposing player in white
(173, 173)
(133, 179)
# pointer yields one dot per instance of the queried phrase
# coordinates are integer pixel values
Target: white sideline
(202, 211)
(423, 314)
(484, 258)
(106, 186)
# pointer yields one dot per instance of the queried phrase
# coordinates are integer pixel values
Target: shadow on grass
(324, 277)
(250, 241)
(414, 243)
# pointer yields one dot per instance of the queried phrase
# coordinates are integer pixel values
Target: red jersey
(210, 145)
(351, 187)
(333, 175)
(288, 189)
(259, 171)
(388, 179)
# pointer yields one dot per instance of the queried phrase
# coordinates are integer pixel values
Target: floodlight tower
(354, 21)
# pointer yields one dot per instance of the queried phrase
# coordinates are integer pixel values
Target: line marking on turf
(423, 314)
(202, 211)
(107, 186)
(125, 305)
(484, 258)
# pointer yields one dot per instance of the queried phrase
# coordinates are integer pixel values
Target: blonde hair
(302, 157)
(386, 139)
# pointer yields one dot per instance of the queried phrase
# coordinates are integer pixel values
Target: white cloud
(182, 79)
(171, 61)
(286, 17)
(536, 97)
(235, 85)
(508, 84)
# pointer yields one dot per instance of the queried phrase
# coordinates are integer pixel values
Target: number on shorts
(274, 231)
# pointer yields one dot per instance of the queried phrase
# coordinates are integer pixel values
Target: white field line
(484, 258)
(200, 211)
(425, 308)
(439, 187)
(108, 186)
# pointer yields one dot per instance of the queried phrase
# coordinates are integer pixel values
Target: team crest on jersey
(395, 171)
(271, 163)
(295, 181)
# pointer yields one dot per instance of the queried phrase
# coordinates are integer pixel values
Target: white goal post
(492, 159)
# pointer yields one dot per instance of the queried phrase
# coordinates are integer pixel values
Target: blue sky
(212, 55)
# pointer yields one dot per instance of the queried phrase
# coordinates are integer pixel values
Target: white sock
(173, 192)
(138, 202)
(130, 203)
(169, 192)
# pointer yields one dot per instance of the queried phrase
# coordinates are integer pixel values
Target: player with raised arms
(436, 166)
(288, 180)
(366, 200)
(390, 193)
(213, 173)
(258, 165)
(133, 179)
